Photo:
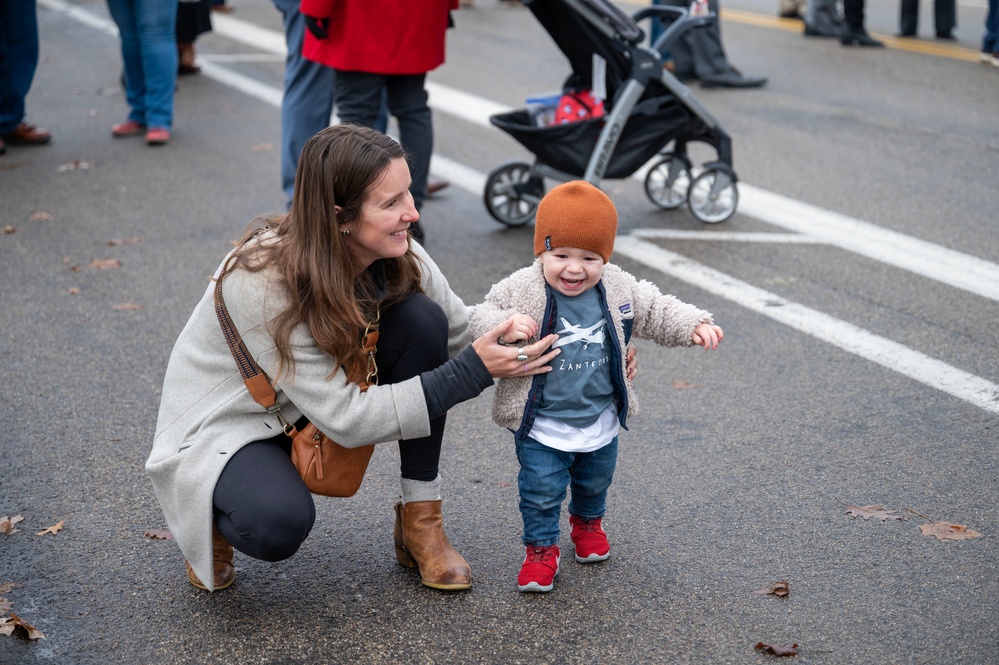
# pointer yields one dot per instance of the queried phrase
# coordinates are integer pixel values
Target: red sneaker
(590, 540)
(539, 569)
(127, 128)
(157, 136)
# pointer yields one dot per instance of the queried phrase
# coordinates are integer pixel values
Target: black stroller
(647, 107)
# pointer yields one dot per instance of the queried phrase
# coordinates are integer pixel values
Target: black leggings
(262, 506)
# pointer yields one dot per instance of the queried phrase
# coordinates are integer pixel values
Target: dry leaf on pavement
(684, 385)
(945, 530)
(117, 242)
(7, 524)
(54, 529)
(42, 217)
(779, 589)
(9, 623)
(158, 534)
(778, 649)
(125, 306)
(105, 264)
(867, 512)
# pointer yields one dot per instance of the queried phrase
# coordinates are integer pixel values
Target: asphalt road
(856, 285)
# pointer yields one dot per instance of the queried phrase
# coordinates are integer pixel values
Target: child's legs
(591, 477)
(542, 481)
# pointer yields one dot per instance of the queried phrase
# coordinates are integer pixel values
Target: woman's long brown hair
(327, 287)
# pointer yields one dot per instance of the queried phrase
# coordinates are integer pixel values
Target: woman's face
(382, 231)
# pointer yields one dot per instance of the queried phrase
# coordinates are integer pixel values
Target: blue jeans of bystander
(18, 59)
(990, 43)
(149, 54)
(308, 99)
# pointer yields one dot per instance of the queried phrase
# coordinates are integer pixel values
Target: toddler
(565, 422)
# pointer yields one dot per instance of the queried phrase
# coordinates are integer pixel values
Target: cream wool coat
(206, 413)
(635, 308)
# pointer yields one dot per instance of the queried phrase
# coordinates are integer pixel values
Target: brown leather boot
(225, 574)
(420, 542)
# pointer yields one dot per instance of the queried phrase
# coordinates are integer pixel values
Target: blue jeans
(990, 43)
(308, 95)
(149, 53)
(18, 59)
(359, 100)
(544, 475)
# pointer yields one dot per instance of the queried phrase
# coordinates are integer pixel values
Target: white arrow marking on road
(847, 233)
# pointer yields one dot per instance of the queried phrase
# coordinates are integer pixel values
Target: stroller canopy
(578, 38)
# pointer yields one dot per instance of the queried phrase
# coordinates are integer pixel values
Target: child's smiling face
(570, 270)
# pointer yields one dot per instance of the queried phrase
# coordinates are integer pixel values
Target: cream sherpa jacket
(631, 307)
(206, 413)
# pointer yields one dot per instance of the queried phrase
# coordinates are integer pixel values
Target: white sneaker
(985, 56)
(995, 59)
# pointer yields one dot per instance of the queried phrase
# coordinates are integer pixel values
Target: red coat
(379, 36)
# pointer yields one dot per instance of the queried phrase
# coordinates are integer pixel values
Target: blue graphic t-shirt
(579, 388)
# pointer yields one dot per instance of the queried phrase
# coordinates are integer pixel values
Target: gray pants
(359, 100)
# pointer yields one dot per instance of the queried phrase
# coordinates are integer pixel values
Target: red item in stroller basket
(576, 106)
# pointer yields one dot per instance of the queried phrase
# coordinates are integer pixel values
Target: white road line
(850, 338)
(731, 236)
(896, 357)
(950, 267)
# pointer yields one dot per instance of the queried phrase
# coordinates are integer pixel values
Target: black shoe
(731, 79)
(793, 14)
(860, 38)
(815, 32)
(905, 35)
(947, 36)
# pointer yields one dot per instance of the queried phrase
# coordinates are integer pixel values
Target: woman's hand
(631, 356)
(504, 362)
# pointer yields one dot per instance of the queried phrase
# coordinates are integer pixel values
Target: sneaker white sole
(593, 558)
(534, 587)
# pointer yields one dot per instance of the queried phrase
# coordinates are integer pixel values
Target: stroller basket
(652, 124)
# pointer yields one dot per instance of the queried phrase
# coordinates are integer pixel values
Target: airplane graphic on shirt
(593, 334)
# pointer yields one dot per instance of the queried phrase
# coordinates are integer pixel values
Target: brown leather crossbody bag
(326, 467)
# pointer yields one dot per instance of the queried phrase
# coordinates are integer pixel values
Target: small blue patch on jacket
(626, 310)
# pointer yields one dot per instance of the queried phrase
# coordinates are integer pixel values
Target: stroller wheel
(713, 196)
(667, 182)
(512, 193)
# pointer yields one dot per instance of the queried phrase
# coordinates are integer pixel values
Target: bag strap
(256, 380)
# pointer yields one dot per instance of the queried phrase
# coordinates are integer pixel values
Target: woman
(149, 53)
(301, 293)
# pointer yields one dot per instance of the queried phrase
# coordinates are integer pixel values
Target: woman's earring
(345, 232)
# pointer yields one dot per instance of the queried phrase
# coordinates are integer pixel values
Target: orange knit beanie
(576, 214)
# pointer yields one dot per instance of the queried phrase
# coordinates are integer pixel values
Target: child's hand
(521, 328)
(631, 356)
(707, 335)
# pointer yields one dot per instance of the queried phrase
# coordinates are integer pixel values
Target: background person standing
(944, 18)
(383, 47)
(18, 61)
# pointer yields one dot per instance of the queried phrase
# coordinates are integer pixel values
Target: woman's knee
(413, 333)
(276, 535)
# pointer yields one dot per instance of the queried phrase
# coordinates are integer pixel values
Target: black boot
(858, 37)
